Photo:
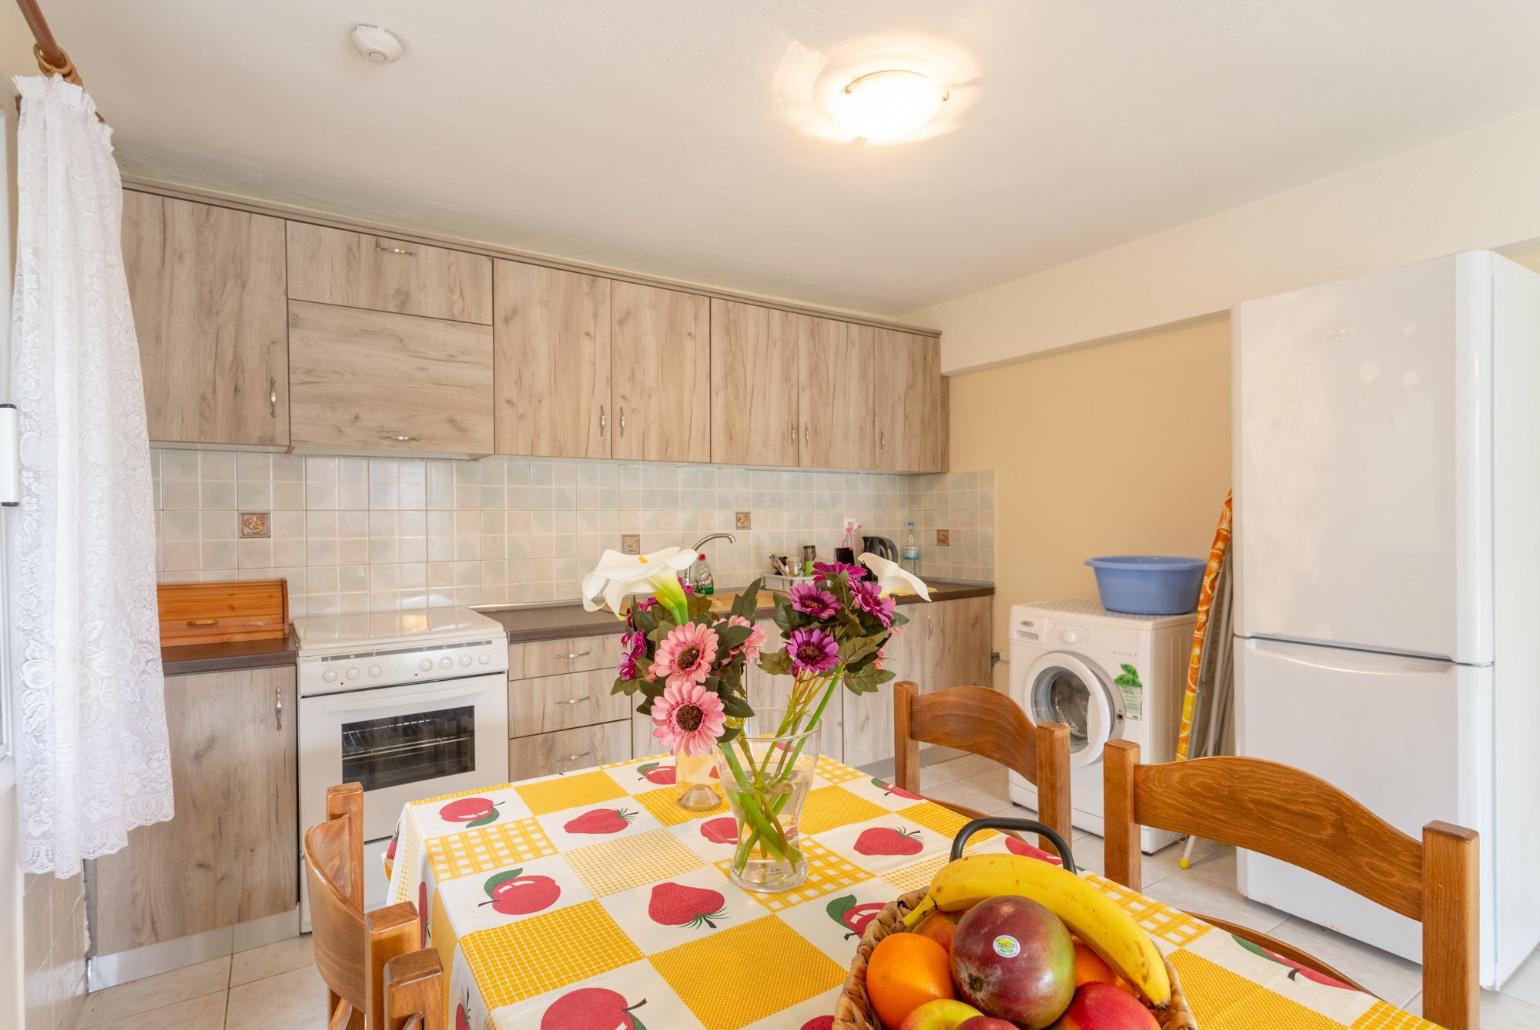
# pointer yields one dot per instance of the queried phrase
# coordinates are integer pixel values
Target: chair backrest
(988, 723)
(415, 992)
(1288, 814)
(352, 948)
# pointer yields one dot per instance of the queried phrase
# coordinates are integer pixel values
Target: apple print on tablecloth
(893, 790)
(600, 821)
(656, 772)
(675, 904)
(463, 1010)
(511, 893)
(472, 812)
(885, 840)
(1295, 969)
(593, 1008)
(853, 917)
(819, 1023)
(1017, 846)
(721, 830)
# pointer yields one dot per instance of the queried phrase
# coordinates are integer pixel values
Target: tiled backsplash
(355, 534)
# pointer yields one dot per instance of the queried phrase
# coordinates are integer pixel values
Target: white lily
(893, 578)
(618, 575)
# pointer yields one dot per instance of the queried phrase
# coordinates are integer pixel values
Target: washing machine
(1107, 676)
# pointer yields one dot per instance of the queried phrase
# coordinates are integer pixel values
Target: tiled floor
(278, 985)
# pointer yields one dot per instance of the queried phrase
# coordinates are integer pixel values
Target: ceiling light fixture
(889, 104)
(376, 43)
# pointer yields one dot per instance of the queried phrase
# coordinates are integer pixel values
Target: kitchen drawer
(565, 750)
(548, 703)
(566, 654)
(333, 266)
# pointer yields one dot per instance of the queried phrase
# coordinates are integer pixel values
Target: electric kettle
(881, 546)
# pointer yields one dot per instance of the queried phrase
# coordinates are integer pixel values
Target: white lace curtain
(90, 722)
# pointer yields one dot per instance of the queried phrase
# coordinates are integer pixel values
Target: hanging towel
(1202, 638)
(92, 761)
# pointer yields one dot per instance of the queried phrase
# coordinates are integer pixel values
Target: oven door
(402, 743)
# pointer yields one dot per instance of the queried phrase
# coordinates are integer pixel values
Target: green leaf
(747, 603)
(700, 604)
(776, 663)
(729, 734)
(736, 707)
(733, 636)
(498, 879)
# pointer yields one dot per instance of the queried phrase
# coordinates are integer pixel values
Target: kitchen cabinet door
(231, 853)
(552, 362)
(952, 642)
(910, 402)
(834, 362)
(754, 384)
(207, 289)
(660, 367)
(354, 269)
(367, 380)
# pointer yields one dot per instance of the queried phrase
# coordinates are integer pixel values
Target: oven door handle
(365, 703)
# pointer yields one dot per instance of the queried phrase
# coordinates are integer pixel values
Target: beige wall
(1113, 448)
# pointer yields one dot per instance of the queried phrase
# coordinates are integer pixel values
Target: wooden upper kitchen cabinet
(834, 361)
(754, 385)
(357, 270)
(369, 380)
(552, 362)
(207, 288)
(660, 373)
(910, 402)
(231, 853)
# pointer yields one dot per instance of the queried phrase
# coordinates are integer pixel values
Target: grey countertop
(187, 659)
(551, 621)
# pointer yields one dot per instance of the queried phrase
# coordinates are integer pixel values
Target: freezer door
(1402, 735)
(1363, 453)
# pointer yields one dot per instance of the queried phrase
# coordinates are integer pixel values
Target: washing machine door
(1063, 687)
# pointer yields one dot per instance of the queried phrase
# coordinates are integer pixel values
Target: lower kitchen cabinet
(547, 703)
(231, 853)
(564, 750)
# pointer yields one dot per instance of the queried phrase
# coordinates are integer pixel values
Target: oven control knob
(444, 663)
(375, 670)
(330, 675)
(352, 673)
(1069, 636)
(465, 659)
(425, 664)
(485, 658)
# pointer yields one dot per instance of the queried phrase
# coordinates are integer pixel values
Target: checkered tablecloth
(583, 900)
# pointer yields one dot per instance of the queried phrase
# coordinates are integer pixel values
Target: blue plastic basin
(1139, 584)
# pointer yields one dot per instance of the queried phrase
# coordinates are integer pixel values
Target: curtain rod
(51, 58)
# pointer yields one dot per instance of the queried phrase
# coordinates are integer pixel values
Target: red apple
(884, 840)
(674, 904)
(514, 894)
(1013, 959)
(987, 1023)
(1016, 846)
(940, 1014)
(471, 811)
(723, 830)
(1101, 1006)
(592, 1008)
(600, 820)
(853, 917)
(890, 788)
(656, 772)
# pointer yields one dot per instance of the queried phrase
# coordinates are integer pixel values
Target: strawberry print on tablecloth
(878, 845)
(590, 824)
(682, 908)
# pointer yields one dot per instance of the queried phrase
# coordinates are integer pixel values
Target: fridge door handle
(1340, 659)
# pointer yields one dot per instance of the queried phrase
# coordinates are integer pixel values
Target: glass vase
(766, 774)
(695, 782)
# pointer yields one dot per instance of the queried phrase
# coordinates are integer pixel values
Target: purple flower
(828, 570)
(632, 647)
(810, 599)
(812, 650)
(867, 596)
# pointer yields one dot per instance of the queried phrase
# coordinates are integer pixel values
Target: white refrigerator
(1387, 561)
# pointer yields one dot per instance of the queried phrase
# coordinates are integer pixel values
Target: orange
(1090, 968)
(904, 972)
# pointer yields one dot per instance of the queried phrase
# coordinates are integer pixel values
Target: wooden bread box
(215, 613)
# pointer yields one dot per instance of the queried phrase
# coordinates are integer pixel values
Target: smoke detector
(378, 44)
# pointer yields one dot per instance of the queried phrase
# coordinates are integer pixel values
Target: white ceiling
(683, 138)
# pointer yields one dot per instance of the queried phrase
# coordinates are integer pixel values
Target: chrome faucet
(703, 541)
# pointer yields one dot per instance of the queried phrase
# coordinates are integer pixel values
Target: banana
(1090, 915)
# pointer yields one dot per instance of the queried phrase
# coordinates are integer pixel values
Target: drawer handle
(400, 438)
(622, 423)
(604, 421)
(578, 654)
(383, 249)
(272, 397)
(203, 622)
(574, 700)
(574, 758)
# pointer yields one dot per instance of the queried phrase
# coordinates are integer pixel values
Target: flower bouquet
(687, 662)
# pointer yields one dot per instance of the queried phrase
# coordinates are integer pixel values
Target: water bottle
(911, 550)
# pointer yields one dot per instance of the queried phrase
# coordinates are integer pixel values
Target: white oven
(409, 704)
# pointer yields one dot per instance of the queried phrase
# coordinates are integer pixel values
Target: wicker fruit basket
(854, 1010)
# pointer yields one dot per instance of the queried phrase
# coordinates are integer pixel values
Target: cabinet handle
(577, 654)
(882, 440)
(400, 438)
(272, 397)
(604, 421)
(278, 707)
(793, 436)
(807, 434)
(574, 758)
(202, 622)
(383, 249)
(574, 700)
(622, 423)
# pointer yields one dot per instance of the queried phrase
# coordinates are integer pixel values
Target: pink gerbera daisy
(756, 638)
(688, 718)
(686, 654)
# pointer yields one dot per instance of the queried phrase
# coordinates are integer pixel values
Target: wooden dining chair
(1288, 814)
(983, 722)
(352, 947)
(414, 992)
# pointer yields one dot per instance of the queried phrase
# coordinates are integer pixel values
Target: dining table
(590, 900)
